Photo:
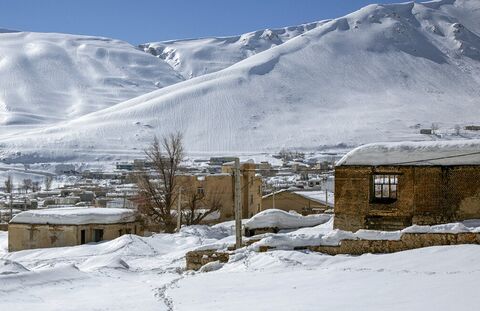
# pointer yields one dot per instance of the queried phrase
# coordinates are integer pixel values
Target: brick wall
(426, 195)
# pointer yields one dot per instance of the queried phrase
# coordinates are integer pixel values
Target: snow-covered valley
(133, 272)
(293, 104)
(379, 74)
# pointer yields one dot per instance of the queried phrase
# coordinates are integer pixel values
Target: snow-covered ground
(134, 272)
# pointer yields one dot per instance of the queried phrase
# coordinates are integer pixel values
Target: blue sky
(139, 21)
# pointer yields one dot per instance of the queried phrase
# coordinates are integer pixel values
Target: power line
(439, 158)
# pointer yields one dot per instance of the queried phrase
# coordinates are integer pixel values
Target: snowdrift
(274, 218)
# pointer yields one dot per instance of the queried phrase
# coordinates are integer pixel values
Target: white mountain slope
(196, 57)
(48, 77)
(371, 75)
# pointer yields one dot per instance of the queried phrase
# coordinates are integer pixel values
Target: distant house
(69, 226)
(303, 202)
(472, 127)
(221, 160)
(62, 169)
(220, 188)
(394, 185)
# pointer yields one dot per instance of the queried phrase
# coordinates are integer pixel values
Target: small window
(200, 191)
(128, 231)
(98, 235)
(385, 188)
(251, 199)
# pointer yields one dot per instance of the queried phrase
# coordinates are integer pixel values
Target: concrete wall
(29, 236)
(425, 195)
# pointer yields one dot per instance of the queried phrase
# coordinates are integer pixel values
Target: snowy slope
(196, 57)
(50, 77)
(133, 271)
(377, 74)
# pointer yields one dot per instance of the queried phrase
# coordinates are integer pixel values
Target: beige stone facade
(394, 197)
(221, 186)
(29, 236)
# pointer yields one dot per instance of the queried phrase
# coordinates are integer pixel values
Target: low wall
(408, 241)
(197, 259)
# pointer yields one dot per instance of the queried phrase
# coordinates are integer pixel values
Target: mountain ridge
(377, 74)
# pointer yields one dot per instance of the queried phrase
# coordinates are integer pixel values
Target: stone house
(394, 185)
(303, 202)
(69, 226)
(220, 188)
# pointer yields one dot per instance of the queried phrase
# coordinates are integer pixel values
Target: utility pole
(326, 192)
(238, 205)
(273, 196)
(179, 209)
(11, 206)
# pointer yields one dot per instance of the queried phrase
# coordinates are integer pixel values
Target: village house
(394, 185)
(302, 202)
(218, 189)
(69, 226)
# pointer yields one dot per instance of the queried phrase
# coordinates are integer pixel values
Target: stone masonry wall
(197, 259)
(408, 241)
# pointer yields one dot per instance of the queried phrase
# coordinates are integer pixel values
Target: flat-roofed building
(69, 226)
(389, 186)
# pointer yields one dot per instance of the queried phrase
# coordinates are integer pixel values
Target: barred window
(385, 188)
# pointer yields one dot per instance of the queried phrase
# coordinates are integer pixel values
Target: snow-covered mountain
(377, 74)
(47, 77)
(196, 57)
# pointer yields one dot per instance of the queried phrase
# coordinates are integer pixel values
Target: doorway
(82, 237)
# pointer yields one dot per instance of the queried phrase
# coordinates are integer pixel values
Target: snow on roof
(458, 152)
(274, 218)
(274, 192)
(75, 216)
(317, 196)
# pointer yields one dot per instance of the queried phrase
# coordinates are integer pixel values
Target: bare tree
(9, 184)
(27, 184)
(457, 129)
(158, 189)
(36, 186)
(48, 182)
(200, 205)
(9, 190)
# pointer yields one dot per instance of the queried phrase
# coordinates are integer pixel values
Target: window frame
(384, 188)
